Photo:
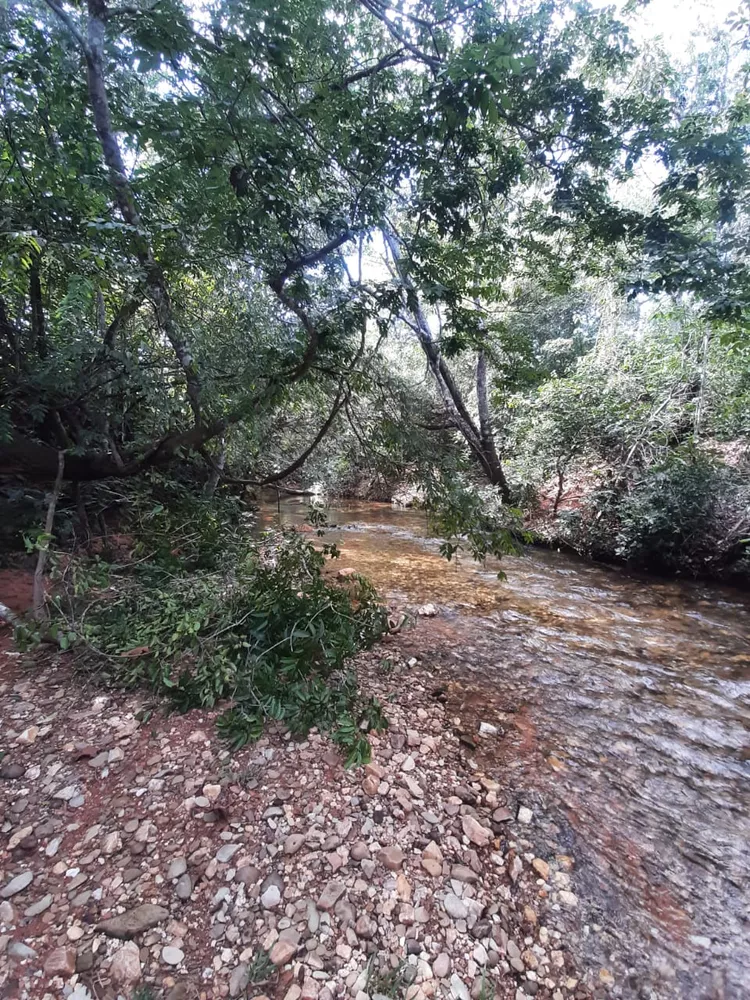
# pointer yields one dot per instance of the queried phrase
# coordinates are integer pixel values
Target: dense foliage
(485, 252)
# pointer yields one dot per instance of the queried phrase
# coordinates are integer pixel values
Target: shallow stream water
(624, 708)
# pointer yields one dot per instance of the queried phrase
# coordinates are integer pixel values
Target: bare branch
(70, 25)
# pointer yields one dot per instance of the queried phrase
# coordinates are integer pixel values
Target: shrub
(684, 515)
(689, 514)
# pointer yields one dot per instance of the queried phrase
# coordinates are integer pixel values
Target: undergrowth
(206, 611)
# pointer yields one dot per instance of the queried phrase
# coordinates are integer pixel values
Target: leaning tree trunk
(497, 474)
(483, 447)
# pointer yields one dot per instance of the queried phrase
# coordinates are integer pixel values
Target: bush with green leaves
(216, 614)
(687, 514)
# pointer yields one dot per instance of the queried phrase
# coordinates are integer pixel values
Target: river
(624, 708)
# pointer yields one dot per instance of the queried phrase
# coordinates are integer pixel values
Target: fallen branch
(38, 591)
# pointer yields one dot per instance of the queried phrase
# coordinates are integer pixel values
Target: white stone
(172, 955)
(525, 815)
(271, 897)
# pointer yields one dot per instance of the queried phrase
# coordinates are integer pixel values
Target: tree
(234, 162)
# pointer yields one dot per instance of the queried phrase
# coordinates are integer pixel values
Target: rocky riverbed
(140, 859)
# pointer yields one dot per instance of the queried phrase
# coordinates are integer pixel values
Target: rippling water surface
(625, 703)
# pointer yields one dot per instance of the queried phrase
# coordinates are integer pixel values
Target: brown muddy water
(624, 707)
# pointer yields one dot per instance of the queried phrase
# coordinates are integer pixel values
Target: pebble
(541, 867)
(271, 897)
(176, 868)
(455, 907)
(226, 853)
(360, 851)
(442, 965)
(20, 951)
(39, 907)
(172, 955)
(283, 951)
(458, 988)
(60, 962)
(184, 887)
(525, 815)
(239, 979)
(125, 967)
(474, 830)
(133, 922)
(391, 857)
(16, 885)
(293, 843)
(331, 894)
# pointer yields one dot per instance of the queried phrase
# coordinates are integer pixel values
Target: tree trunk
(38, 333)
(447, 387)
(497, 475)
(125, 200)
(217, 469)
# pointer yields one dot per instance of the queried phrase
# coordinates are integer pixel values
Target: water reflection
(626, 705)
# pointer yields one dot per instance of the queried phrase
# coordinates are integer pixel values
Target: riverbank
(139, 853)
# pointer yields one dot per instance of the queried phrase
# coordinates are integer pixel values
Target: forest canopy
(473, 248)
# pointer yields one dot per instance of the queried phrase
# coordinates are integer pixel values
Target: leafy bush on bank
(688, 514)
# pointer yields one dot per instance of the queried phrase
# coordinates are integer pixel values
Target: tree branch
(341, 398)
(70, 25)
(38, 589)
(309, 259)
